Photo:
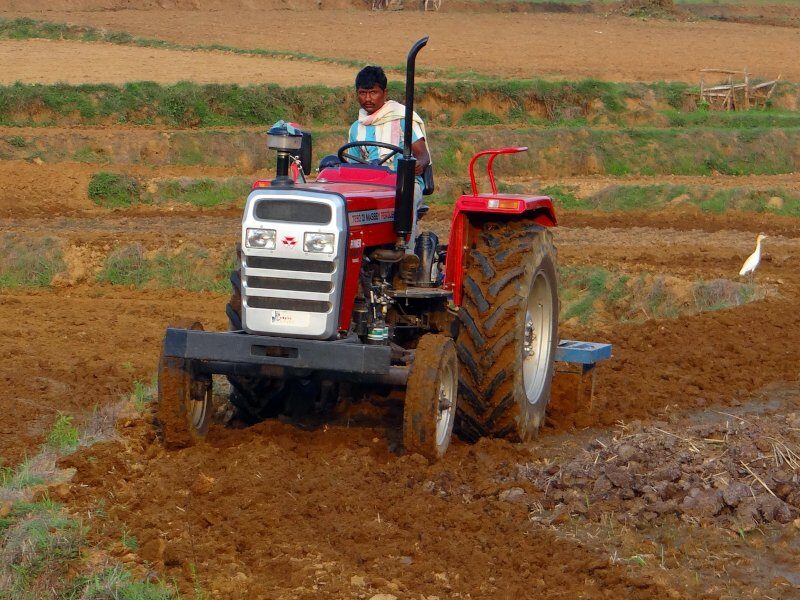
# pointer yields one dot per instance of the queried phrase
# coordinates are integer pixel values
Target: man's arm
(420, 151)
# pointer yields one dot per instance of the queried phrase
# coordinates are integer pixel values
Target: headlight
(318, 242)
(260, 238)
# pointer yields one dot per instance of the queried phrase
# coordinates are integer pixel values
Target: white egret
(752, 261)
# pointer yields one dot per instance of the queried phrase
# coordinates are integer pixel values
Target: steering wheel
(347, 157)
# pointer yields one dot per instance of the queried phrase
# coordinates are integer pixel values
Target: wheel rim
(197, 411)
(537, 341)
(446, 404)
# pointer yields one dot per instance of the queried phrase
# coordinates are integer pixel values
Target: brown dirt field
(31, 62)
(331, 508)
(544, 45)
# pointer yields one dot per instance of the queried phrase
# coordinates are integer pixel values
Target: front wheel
(431, 395)
(508, 330)
(184, 407)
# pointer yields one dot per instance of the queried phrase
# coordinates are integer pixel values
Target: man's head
(371, 88)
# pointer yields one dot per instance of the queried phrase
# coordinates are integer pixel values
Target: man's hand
(420, 151)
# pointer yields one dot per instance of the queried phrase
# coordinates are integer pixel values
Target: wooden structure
(735, 95)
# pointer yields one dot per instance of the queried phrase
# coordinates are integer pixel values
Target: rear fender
(470, 211)
(473, 208)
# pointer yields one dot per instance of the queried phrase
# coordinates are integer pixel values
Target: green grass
(580, 289)
(203, 192)
(39, 542)
(17, 141)
(117, 583)
(127, 266)
(29, 262)
(90, 156)
(564, 197)
(189, 268)
(113, 190)
(186, 104)
(63, 437)
(118, 190)
(19, 477)
(129, 541)
(478, 116)
(143, 394)
(589, 294)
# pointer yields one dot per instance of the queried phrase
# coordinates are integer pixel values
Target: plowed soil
(330, 506)
(535, 45)
(31, 62)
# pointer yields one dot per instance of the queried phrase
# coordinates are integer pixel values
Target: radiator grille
(294, 285)
(314, 306)
(290, 264)
(293, 211)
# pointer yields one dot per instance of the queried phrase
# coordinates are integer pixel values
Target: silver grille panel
(287, 291)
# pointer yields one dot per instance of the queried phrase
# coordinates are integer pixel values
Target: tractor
(322, 297)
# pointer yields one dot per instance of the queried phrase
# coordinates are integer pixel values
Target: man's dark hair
(370, 76)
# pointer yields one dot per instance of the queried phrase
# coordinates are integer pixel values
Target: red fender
(462, 230)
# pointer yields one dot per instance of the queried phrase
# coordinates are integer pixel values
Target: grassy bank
(590, 294)
(442, 104)
(655, 197)
(553, 152)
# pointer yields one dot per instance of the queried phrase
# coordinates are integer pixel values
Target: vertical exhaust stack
(404, 196)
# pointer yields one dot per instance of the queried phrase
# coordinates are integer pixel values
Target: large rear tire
(184, 406)
(431, 394)
(508, 331)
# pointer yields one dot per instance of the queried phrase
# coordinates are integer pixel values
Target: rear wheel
(431, 394)
(508, 331)
(184, 405)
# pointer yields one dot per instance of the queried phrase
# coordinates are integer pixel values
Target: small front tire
(184, 405)
(431, 396)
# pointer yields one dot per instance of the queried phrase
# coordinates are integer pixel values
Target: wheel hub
(530, 336)
(198, 404)
(446, 405)
(537, 338)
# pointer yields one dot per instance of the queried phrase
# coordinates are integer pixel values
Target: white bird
(752, 261)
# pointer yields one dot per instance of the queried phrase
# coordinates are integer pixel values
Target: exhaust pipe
(404, 194)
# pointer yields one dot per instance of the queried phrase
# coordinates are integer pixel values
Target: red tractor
(321, 298)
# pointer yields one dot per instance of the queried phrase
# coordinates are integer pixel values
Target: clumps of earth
(736, 473)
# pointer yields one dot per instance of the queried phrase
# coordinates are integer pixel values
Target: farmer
(382, 120)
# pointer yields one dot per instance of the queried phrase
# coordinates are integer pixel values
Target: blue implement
(584, 353)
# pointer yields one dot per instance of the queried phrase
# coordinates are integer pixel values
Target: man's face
(371, 99)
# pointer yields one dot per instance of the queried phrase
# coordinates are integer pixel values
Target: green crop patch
(29, 262)
(114, 190)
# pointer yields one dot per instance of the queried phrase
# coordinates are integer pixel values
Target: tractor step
(575, 367)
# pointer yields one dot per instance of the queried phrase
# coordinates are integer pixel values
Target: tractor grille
(314, 306)
(290, 264)
(295, 285)
(285, 290)
(293, 211)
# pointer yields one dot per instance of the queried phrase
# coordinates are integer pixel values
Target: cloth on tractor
(386, 125)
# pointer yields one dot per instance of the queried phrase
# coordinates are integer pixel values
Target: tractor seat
(422, 211)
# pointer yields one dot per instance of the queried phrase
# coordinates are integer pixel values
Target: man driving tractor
(382, 120)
